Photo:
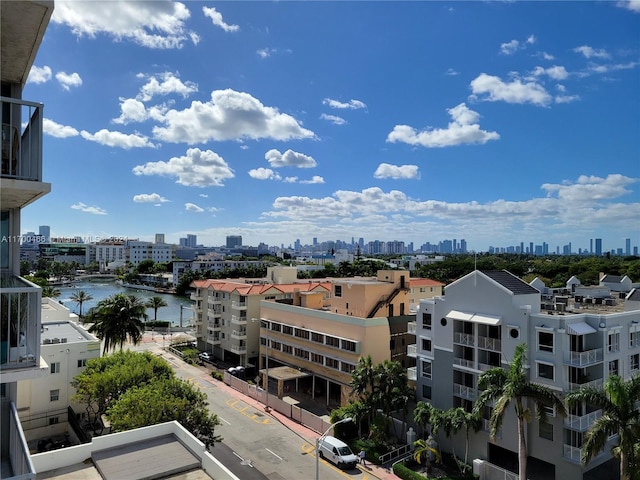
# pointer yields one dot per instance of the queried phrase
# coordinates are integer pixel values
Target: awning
(580, 328)
(474, 317)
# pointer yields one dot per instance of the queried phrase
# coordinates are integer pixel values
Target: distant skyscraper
(627, 245)
(45, 231)
(191, 241)
(531, 251)
(598, 246)
(159, 238)
(463, 246)
(591, 246)
(234, 241)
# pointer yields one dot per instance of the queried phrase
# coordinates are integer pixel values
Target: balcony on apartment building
(412, 328)
(214, 325)
(214, 339)
(464, 338)
(583, 359)
(412, 350)
(464, 391)
(238, 319)
(582, 422)
(239, 305)
(17, 464)
(21, 153)
(241, 348)
(213, 302)
(20, 304)
(412, 373)
(239, 334)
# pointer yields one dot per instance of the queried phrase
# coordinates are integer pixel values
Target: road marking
(220, 418)
(241, 407)
(277, 456)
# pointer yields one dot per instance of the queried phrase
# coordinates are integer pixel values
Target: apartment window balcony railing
(577, 386)
(582, 423)
(238, 320)
(412, 373)
(583, 359)
(488, 343)
(412, 328)
(21, 139)
(463, 338)
(239, 348)
(213, 340)
(212, 303)
(196, 297)
(463, 391)
(20, 302)
(19, 458)
(239, 305)
(213, 326)
(412, 350)
(464, 363)
(239, 334)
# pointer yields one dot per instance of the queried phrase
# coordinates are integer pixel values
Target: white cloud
(451, 72)
(118, 139)
(196, 169)
(68, 80)
(531, 39)
(265, 52)
(165, 84)
(132, 110)
(192, 207)
(149, 24)
(547, 56)
(351, 104)
(316, 179)
(289, 159)
(590, 52)
(203, 195)
(333, 119)
(590, 188)
(56, 130)
(39, 75)
(463, 129)
(509, 48)
(264, 174)
(149, 198)
(230, 115)
(566, 98)
(633, 5)
(556, 72)
(216, 18)
(397, 172)
(88, 209)
(290, 180)
(493, 89)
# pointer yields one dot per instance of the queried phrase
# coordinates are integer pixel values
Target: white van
(338, 452)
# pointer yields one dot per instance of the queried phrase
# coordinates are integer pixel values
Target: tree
(50, 292)
(456, 419)
(80, 297)
(156, 303)
(423, 416)
(513, 385)
(363, 383)
(620, 415)
(424, 449)
(116, 319)
(161, 401)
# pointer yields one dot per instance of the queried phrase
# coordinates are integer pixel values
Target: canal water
(100, 289)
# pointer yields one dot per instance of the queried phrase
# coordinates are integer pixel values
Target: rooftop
(511, 282)
(64, 332)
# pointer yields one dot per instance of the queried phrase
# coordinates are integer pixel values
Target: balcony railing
(196, 296)
(488, 343)
(20, 304)
(18, 450)
(239, 348)
(582, 359)
(572, 453)
(214, 326)
(213, 340)
(412, 328)
(592, 384)
(463, 391)
(485, 366)
(412, 350)
(463, 338)
(239, 305)
(583, 422)
(239, 334)
(21, 139)
(464, 363)
(238, 320)
(412, 373)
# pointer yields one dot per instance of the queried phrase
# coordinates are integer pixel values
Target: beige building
(423, 288)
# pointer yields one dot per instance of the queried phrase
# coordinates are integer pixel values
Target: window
(545, 370)
(426, 392)
(347, 367)
(302, 353)
(545, 430)
(55, 367)
(426, 321)
(287, 330)
(426, 369)
(317, 358)
(634, 339)
(426, 344)
(634, 362)
(333, 341)
(276, 327)
(317, 337)
(54, 421)
(332, 363)
(54, 395)
(288, 349)
(337, 290)
(300, 333)
(349, 345)
(545, 341)
(82, 362)
(613, 367)
(614, 341)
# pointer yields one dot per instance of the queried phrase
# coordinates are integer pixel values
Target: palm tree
(455, 420)
(424, 449)
(156, 303)
(363, 383)
(423, 415)
(620, 415)
(80, 297)
(117, 318)
(513, 385)
(50, 291)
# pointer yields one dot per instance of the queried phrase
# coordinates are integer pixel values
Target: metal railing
(18, 448)
(395, 454)
(463, 391)
(21, 139)
(412, 373)
(238, 319)
(412, 350)
(577, 386)
(463, 338)
(412, 328)
(582, 422)
(488, 343)
(464, 363)
(582, 359)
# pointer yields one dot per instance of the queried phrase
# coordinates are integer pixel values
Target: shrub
(217, 375)
(405, 473)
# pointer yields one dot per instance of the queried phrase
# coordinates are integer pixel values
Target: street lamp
(319, 439)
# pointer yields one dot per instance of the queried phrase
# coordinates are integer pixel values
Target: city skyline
(430, 120)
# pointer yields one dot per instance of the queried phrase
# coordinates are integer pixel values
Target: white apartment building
(570, 343)
(140, 251)
(43, 403)
(108, 253)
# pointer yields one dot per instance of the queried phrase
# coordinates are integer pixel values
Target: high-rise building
(598, 246)
(159, 238)
(191, 241)
(234, 241)
(45, 233)
(627, 244)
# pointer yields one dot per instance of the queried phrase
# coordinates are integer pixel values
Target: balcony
(463, 338)
(412, 373)
(583, 422)
(18, 458)
(21, 153)
(464, 363)
(239, 305)
(214, 326)
(196, 296)
(583, 359)
(592, 384)
(412, 350)
(239, 334)
(20, 304)
(238, 320)
(485, 366)
(463, 391)
(213, 340)
(238, 348)
(412, 328)
(486, 427)
(488, 343)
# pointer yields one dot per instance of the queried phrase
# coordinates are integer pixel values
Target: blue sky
(496, 122)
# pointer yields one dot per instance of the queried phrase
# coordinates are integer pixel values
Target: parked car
(205, 356)
(337, 452)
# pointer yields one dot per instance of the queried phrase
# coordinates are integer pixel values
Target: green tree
(155, 303)
(80, 297)
(423, 416)
(161, 401)
(50, 291)
(105, 379)
(363, 384)
(145, 266)
(456, 419)
(118, 318)
(423, 451)
(513, 385)
(619, 401)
